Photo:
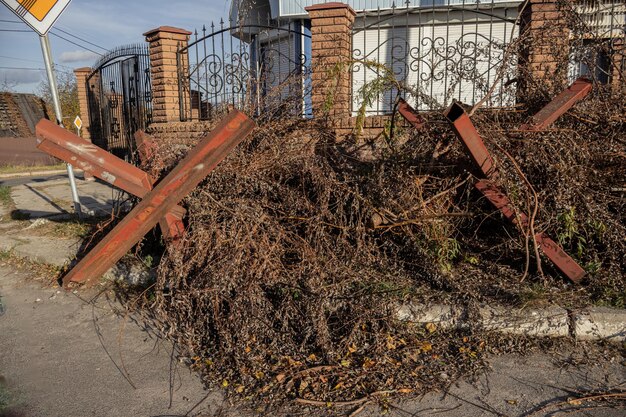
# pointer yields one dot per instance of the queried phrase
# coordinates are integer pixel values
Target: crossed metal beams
(475, 147)
(158, 204)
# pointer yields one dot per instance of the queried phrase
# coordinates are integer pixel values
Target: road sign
(78, 123)
(38, 14)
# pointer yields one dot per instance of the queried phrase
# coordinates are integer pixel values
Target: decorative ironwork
(120, 98)
(597, 40)
(437, 54)
(247, 66)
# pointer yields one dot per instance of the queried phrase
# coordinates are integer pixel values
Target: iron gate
(120, 99)
(259, 67)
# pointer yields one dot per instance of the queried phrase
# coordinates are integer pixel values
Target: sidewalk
(38, 203)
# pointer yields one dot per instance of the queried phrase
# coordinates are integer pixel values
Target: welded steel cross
(76, 151)
(156, 203)
(474, 145)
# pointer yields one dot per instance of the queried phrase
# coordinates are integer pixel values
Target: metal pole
(47, 57)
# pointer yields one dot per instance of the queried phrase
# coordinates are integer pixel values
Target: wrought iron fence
(119, 93)
(598, 40)
(255, 67)
(451, 51)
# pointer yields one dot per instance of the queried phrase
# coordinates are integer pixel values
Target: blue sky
(105, 23)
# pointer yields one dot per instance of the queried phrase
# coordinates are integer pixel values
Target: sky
(106, 24)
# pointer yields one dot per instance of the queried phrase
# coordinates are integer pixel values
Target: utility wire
(52, 33)
(23, 68)
(81, 39)
(74, 43)
(31, 60)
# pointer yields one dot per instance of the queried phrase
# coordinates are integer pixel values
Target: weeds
(5, 196)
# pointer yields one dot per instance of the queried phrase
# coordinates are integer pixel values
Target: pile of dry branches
(300, 248)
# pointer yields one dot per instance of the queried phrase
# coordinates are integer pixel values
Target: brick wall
(186, 132)
(164, 42)
(545, 50)
(83, 103)
(331, 54)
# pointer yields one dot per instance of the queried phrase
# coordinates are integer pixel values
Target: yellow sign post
(38, 14)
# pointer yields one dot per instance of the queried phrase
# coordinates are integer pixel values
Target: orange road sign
(38, 14)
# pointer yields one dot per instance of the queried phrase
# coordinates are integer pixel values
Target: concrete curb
(37, 173)
(594, 323)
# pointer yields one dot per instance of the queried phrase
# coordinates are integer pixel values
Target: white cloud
(21, 76)
(77, 56)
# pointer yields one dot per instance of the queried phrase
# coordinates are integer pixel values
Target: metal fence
(597, 44)
(255, 67)
(437, 54)
(119, 94)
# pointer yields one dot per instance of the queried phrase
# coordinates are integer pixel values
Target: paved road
(71, 355)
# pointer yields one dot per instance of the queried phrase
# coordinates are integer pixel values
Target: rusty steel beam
(471, 140)
(171, 224)
(410, 114)
(198, 163)
(549, 247)
(145, 145)
(559, 105)
(89, 157)
(74, 150)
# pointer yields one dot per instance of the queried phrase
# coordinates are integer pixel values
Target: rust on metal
(74, 150)
(559, 105)
(410, 114)
(171, 224)
(198, 163)
(145, 146)
(549, 247)
(473, 143)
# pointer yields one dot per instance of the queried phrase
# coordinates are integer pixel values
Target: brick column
(544, 56)
(618, 64)
(331, 45)
(164, 42)
(83, 101)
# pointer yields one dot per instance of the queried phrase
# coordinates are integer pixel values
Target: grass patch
(4, 399)
(42, 271)
(5, 196)
(14, 169)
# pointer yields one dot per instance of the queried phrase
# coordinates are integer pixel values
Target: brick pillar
(83, 101)
(544, 56)
(164, 42)
(331, 44)
(618, 64)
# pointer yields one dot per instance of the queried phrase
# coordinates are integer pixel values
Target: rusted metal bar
(200, 161)
(74, 150)
(410, 114)
(471, 140)
(171, 224)
(145, 146)
(467, 133)
(89, 157)
(549, 247)
(559, 105)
